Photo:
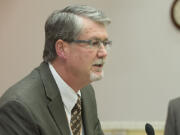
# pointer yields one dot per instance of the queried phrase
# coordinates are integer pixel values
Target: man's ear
(60, 48)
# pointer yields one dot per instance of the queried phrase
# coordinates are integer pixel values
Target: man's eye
(106, 43)
(94, 43)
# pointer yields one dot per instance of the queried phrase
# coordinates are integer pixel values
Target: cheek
(89, 57)
(86, 54)
(83, 56)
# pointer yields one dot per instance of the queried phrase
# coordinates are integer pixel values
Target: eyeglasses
(95, 43)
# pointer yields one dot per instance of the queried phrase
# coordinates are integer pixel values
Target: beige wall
(143, 69)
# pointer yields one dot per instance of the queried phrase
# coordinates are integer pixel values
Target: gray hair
(66, 24)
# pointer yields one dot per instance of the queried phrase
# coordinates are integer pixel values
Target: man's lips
(98, 65)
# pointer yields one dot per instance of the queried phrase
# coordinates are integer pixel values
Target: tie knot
(78, 100)
(77, 106)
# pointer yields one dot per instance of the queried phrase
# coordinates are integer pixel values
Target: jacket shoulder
(29, 89)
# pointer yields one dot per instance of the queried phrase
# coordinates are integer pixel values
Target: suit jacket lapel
(56, 109)
(86, 112)
(55, 106)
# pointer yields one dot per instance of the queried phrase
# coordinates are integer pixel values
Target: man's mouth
(98, 65)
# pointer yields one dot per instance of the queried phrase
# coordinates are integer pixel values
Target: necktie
(76, 117)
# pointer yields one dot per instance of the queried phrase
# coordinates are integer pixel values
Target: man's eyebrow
(96, 38)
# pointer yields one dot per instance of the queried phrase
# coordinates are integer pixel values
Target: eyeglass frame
(106, 43)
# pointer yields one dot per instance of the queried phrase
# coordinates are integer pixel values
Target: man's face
(86, 62)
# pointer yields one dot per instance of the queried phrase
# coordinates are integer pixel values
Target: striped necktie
(76, 117)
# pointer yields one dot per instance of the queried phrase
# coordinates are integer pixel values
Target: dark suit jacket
(172, 126)
(34, 106)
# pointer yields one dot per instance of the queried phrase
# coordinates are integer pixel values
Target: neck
(75, 82)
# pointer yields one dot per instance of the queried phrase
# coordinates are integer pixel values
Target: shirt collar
(69, 96)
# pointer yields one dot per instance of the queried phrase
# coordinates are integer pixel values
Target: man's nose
(102, 52)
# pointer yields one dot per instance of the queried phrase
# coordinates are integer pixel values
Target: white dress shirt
(69, 96)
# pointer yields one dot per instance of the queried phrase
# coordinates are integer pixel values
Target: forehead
(92, 30)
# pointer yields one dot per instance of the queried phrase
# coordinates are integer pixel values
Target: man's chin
(95, 76)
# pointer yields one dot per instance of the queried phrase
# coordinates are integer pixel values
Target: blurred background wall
(142, 72)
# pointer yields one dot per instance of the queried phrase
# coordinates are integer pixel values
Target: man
(56, 98)
(172, 126)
